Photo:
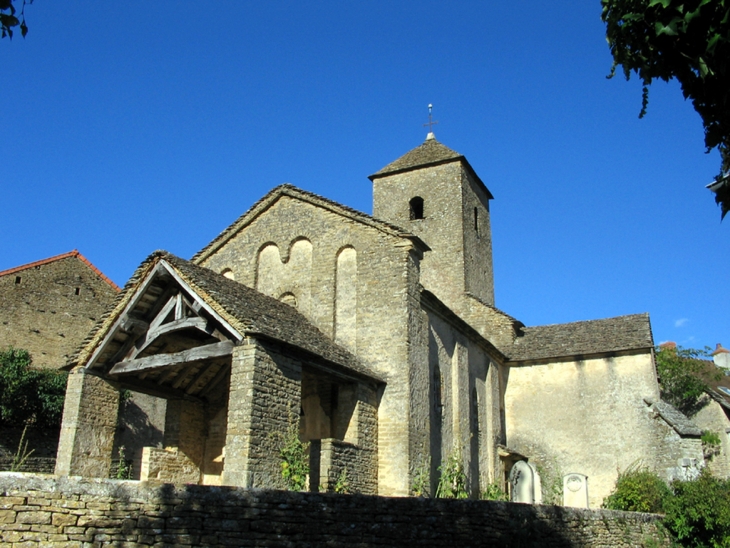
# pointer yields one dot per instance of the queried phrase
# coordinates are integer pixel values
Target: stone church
(376, 340)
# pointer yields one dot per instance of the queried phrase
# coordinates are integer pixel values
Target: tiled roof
(74, 253)
(298, 193)
(247, 310)
(583, 338)
(428, 153)
(675, 418)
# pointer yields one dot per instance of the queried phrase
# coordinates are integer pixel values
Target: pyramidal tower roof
(429, 153)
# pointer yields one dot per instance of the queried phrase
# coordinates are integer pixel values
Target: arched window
(228, 273)
(416, 204)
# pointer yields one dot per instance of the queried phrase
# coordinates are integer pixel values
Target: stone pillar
(89, 424)
(263, 404)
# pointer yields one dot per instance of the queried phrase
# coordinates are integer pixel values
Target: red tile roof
(74, 253)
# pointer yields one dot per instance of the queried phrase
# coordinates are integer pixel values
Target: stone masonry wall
(50, 308)
(713, 417)
(68, 512)
(385, 268)
(343, 462)
(263, 406)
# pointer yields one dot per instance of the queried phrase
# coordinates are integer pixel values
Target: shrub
(29, 396)
(452, 483)
(638, 490)
(698, 513)
(294, 460)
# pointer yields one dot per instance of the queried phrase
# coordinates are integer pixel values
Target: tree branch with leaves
(9, 17)
(686, 40)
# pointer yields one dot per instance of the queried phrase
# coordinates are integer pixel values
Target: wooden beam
(162, 314)
(202, 373)
(133, 326)
(216, 380)
(166, 328)
(159, 361)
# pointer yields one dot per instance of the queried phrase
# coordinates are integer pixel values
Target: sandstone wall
(589, 417)
(308, 241)
(66, 512)
(48, 309)
(461, 256)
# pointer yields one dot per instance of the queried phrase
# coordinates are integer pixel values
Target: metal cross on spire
(431, 123)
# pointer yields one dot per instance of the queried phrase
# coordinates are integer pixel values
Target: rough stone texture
(460, 260)
(386, 292)
(48, 511)
(589, 417)
(88, 427)
(674, 418)
(355, 467)
(713, 418)
(49, 306)
(263, 406)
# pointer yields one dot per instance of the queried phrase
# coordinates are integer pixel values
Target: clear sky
(135, 126)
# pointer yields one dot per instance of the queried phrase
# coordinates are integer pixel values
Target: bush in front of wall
(29, 396)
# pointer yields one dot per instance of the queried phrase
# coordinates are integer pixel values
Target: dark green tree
(29, 396)
(682, 381)
(9, 17)
(684, 39)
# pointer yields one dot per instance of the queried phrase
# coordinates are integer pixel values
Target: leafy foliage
(494, 491)
(680, 373)
(29, 396)
(22, 454)
(8, 18)
(420, 484)
(124, 466)
(452, 483)
(698, 513)
(342, 485)
(294, 460)
(684, 39)
(638, 490)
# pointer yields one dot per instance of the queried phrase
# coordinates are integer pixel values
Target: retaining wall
(66, 512)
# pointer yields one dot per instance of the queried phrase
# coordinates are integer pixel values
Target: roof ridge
(72, 253)
(645, 314)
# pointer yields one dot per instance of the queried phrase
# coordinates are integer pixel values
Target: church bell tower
(434, 193)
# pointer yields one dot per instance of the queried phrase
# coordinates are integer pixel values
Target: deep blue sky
(135, 126)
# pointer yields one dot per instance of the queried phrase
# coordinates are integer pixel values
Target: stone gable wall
(43, 313)
(69, 512)
(385, 278)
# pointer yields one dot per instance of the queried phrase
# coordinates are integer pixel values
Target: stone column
(89, 424)
(263, 405)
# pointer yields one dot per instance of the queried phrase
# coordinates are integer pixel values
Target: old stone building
(47, 307)
(375, 338)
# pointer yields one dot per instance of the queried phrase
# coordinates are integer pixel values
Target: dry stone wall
(70, 512)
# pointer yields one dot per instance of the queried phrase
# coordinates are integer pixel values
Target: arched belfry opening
(416, 208)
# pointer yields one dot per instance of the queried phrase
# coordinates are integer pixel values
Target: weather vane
(431, 121)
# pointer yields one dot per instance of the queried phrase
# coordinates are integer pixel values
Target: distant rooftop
(75, 253)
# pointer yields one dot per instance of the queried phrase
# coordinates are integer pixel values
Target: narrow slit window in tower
(416, 208)
(476, 221)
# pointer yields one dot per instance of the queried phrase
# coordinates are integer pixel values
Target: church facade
(376, 340)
